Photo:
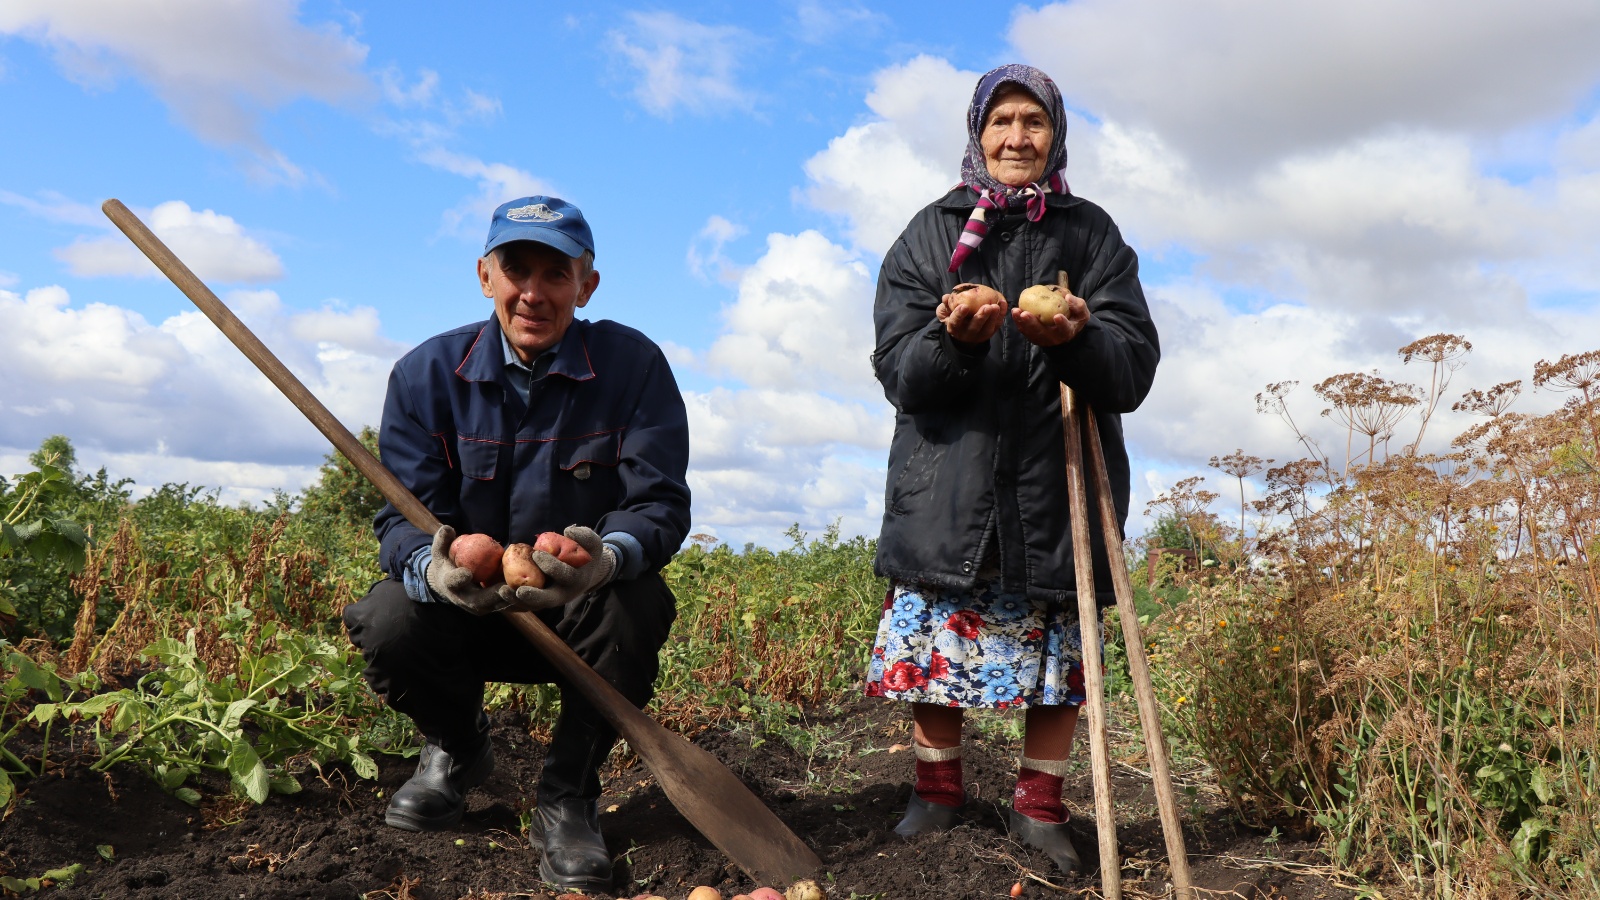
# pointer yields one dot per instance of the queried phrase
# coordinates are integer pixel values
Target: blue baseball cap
(548, 220)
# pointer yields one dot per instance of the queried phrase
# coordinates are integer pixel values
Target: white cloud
(705, 257)
(424, 94)
(824, 22)
(8, 279)
(804, 438)
(803, 318)
(54, 207)
(421, 93)
(878, 174)
(217, 66)
(1215, 360)
(1236, 83)
(212, 244)
(682, 64)
(497, 183)
(761, 461)
(176, 401)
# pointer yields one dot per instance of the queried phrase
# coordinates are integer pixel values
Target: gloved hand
(455, 583)
(564, 583)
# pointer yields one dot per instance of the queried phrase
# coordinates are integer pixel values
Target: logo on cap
(535, 212)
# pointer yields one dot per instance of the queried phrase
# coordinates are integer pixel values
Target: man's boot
(938, 796)
(435, 797)
(566, 825)
(567, 832)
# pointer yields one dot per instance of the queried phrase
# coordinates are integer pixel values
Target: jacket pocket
(601, 449)
(479, 458)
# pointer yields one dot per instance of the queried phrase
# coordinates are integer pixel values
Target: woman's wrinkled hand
(972, 313)
(1059, 330)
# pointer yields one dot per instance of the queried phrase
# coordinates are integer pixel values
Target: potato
(563, 548)
(1045, 301)
(705, 893)
(974, 296)
(479, 554)
(805, 890)
(519, 568)
(765, 893)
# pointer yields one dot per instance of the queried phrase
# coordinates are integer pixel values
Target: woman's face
(1017, 137)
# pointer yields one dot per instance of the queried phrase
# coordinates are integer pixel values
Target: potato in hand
(974, 297)
(519, 567)
(1045, 301)
(563, 548)
(479, 554)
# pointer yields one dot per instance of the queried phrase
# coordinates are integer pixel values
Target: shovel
(709, 796)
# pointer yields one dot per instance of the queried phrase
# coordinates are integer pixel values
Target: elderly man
(529, 422)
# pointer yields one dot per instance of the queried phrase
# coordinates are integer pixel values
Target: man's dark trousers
(431, 661)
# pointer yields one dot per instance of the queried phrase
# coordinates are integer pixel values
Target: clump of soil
(135, 841)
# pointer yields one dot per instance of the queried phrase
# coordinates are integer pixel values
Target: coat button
(581, 472)
(966, 568)
(1006, 235)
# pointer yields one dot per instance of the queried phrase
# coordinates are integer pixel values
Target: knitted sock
(1038, 794)
(939, 775)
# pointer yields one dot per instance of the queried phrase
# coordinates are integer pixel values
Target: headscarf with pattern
(992, 194)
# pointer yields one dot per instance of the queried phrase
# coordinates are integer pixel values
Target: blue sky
(1308, 189)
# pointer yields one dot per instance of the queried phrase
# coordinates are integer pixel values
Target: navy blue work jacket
(602, 442)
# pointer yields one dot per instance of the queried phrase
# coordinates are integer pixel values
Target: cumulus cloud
(213, 245)
(800, 433)
(217, 66)
(175, 401)
(1398, 224)
(763, 460)
(877, 174)
(803, 318)
(679, 63)
(1236, 83)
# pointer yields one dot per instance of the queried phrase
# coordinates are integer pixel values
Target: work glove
(455, 583)
(564, 583)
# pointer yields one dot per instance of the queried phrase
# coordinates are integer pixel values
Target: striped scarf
(992, 194)
(977, 227)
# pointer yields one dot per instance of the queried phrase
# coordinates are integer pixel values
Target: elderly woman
(976, 541)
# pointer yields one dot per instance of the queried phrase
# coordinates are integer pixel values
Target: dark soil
(330, 840)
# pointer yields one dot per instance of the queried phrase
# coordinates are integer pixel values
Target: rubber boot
(938, 796)
(1052, 838)
(435, 797)
(567, 833)
(1038, 817)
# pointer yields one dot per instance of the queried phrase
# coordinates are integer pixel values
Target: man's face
(1016, 138)
(535, 289)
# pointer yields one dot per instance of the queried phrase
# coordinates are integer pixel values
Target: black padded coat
(977, 466)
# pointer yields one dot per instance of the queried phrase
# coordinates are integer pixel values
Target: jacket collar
(965, 198)
(485, 360)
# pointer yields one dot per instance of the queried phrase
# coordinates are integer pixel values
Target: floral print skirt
(975, 649)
